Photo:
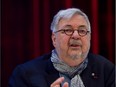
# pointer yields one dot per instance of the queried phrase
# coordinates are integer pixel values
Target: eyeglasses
(81, 31)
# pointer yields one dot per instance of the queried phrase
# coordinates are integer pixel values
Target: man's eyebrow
(82, 26)
(67, 26)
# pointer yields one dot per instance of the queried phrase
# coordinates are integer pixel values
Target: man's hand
(58, 82)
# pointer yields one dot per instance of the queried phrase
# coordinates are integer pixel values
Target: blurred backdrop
(26, 29)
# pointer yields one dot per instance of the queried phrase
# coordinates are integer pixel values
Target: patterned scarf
(71, 74)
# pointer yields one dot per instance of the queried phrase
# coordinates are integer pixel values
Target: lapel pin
(94, 75)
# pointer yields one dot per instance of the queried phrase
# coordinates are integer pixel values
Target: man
(70, 64)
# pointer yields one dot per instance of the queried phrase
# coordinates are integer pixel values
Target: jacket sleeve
(18, 78)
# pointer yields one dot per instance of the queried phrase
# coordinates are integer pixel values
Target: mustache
(75, 42)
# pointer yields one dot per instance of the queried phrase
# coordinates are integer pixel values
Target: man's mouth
(75, 46)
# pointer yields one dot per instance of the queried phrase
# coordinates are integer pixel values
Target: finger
(57, 82)
(56, 86)
(66, 84)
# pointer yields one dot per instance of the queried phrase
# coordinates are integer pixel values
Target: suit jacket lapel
(52, 73)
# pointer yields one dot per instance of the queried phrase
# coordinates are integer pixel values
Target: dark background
(26, 29)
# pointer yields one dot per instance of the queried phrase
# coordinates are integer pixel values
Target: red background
(26, 29)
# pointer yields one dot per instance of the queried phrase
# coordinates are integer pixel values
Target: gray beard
(77, 56)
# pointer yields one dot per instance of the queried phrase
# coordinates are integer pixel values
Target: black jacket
(41, 73)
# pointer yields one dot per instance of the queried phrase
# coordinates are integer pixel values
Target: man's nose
(75, 35)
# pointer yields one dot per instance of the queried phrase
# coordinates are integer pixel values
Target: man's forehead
(71, 22)
(74, 19)
(72, 26)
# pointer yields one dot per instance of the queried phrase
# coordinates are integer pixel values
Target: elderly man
(70, 64)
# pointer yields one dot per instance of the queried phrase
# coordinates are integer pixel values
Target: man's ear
(53, 39)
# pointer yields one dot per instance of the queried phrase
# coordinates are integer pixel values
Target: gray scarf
(71, 74)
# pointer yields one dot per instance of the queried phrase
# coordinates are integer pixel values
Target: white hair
(68, 13)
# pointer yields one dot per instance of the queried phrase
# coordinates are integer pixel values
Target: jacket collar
(52, 73)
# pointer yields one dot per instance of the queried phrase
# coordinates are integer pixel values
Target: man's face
(71, 48)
